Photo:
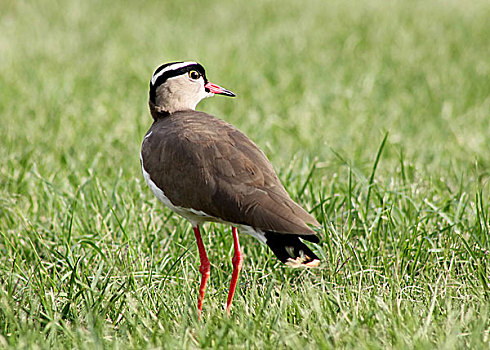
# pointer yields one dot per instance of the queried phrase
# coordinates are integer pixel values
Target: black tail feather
(289, 249)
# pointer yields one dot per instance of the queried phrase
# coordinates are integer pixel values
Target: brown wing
(206, 164)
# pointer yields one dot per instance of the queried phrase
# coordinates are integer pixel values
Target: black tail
(290, 250)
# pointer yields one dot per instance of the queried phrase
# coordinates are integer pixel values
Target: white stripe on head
(171, 67)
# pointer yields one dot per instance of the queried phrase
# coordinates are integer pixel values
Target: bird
(206, 170)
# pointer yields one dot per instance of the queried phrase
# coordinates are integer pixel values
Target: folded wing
(206, 164)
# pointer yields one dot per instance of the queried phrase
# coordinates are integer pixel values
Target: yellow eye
(194, 74)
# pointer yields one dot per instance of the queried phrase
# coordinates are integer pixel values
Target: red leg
(237, 266)
(204, 269)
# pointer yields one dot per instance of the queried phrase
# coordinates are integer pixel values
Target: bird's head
(179, 86)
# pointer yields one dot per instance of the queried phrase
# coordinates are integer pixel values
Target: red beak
(218, 90)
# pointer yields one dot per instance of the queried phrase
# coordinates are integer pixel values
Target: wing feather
(206, 164)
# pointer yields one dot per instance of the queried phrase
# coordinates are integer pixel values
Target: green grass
(374, 114)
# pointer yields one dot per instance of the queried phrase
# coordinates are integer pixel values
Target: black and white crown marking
(170, 70)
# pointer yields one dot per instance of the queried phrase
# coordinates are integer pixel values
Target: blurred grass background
(88, 258)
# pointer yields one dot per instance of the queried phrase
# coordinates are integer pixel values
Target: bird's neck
(157, 112)
(160, 112)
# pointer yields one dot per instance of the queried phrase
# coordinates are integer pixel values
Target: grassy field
(376, 116)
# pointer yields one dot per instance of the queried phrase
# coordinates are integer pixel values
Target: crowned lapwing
(205, 169)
